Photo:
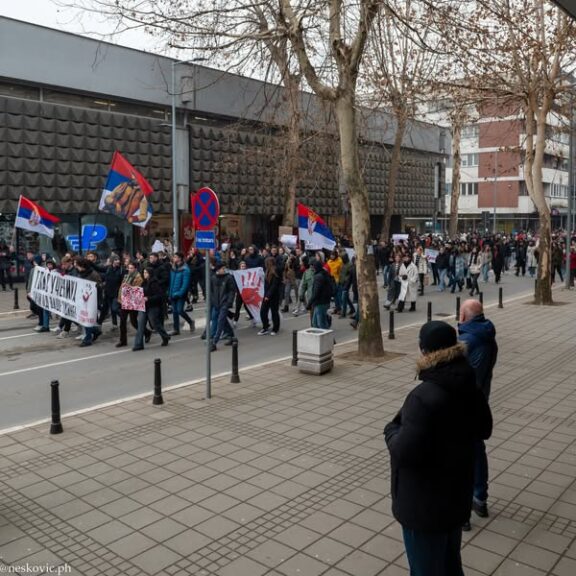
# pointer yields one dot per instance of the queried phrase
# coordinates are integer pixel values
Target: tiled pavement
(287, 475)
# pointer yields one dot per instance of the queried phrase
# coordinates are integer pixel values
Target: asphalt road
(101, 373)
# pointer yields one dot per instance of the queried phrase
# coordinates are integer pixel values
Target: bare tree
(234, 35)
(404, 54)
(330, 61)
(523, 52)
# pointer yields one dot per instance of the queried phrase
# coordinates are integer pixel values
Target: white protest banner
(158, 246)
(431, 255)
(250, 283)
(397, 238)
(70, 297)
(289, 240)
(132, 298)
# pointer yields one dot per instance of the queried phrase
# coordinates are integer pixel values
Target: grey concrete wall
(41, 55)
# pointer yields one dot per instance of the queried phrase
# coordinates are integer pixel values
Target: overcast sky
(53, 15)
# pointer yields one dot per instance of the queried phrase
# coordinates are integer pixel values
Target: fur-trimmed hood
(444, 356)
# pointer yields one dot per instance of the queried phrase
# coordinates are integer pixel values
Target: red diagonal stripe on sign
(204, 208)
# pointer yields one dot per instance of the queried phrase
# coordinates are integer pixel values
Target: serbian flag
(127, 193)
(30, 216)
(313, 230)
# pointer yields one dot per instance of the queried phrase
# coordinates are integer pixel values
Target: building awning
(569, 7)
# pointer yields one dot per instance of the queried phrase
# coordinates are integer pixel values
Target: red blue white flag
(127, 193)
(313, 230)
(32, 217)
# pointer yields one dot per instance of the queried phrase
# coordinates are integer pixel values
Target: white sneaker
(74, 328)
(263, 332)
(63, 334)
(81, 337)
(37, 328)
(57, 330)
(273, 333)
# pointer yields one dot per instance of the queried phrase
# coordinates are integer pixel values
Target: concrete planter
(315, 351)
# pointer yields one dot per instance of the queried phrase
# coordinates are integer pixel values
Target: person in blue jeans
(442, 266)
(321, 296)
(222, 295)
(179, 284)
(431, 443)
(479, 335)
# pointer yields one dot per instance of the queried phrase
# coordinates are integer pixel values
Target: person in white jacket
(408, 284)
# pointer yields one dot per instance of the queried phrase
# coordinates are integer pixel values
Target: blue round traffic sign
(205, 209)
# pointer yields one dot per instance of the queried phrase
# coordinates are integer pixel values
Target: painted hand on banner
(250, 292)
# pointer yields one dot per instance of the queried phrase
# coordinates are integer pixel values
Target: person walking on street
(321, 296)
(131, 278)
(442, 265)
(6, 257)
(408, 284)
(271, 302)
(474, 267)
(154, 297)
(421, 263)
(431, 443)
(479, 335)
(87, 272)
(222, 294)
(112, 282)
(179, 283)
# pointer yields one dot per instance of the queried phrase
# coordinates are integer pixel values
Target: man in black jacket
(321, 296)
(432, 443)
(222, 294)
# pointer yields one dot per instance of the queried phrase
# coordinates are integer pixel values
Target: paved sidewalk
(288, 475)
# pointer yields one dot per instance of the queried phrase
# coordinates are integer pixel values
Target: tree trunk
(543, 290)
(456, 138)
(370, 332)
(292, 84)
(394, 172)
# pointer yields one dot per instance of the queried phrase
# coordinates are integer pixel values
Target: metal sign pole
(208, 339)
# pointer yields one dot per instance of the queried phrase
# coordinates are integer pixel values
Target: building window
(470, 159)
(469, 189)
(19, 91)
(472, 131)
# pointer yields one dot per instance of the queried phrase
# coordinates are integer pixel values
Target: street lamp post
(494, 190)
(570, 192)
(175, 227)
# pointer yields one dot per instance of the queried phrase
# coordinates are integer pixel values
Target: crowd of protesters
(322, 283)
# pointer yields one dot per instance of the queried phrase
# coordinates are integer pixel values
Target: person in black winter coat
(112, 280)
(155, 298)
(431, 442)
(271, 302)
(253, 258)
(479, 335)
(321, 296)
(222, 294)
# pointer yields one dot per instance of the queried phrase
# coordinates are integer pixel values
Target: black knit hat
(437, 335)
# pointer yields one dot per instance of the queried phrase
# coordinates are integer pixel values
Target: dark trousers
(435, 275)
(521, 266)
(271, 305)
(480, 473)
(124, 315)
(557, 268)
(109, 306)
(5, 276)
(433, 553)
(474, 283)
(421, 279)
(238, 308)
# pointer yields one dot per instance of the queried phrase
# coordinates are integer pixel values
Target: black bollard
(235, 377)
(157, 398)
(429, 311)
(16, 304)
(457, 308)
(56, 426)
(500, 297)
(481, 297)
(391, 335)
(294, 347)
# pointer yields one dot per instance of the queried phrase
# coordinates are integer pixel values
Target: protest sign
(431, 255)
(250, 283)
(70, 297)
(132, 298)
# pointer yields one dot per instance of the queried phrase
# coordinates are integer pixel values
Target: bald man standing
(479, 335)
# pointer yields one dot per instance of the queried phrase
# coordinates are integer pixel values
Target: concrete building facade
(68, 102)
